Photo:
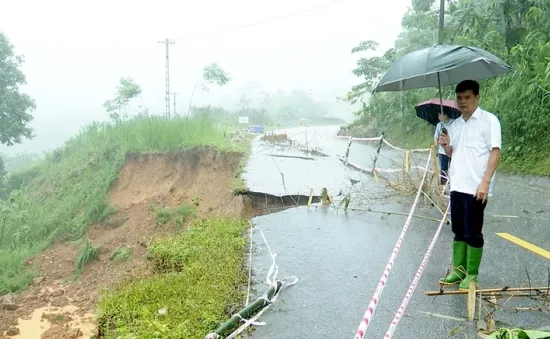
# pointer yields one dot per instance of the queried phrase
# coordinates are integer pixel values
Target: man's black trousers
(467, 218)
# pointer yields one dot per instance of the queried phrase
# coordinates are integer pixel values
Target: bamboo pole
(491, 290)
(310, 197)
(245, 313)
(347, 150)
(437, 173)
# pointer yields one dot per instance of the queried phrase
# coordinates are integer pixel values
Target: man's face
(467, 101)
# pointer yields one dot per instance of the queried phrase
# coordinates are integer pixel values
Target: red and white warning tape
(369, 313)
(410, 291)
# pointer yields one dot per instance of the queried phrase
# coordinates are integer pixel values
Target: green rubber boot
(472, 263)
(459, 264)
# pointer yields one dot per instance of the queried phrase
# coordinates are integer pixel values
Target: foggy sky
(76, 51)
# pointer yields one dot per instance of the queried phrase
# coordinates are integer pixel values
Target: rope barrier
(271, 280)
(371, 309)
(385, 170)
(249, 266)
(358, 139)
(385, 142)
(404, 150)
(412, 287)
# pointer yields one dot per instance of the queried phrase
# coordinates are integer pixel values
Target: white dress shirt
(472, 142)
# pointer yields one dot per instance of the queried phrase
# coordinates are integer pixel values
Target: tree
(3, 173)
(14, 105)
(211, 74)
(214, 74)
(517, 31)
(127, 90)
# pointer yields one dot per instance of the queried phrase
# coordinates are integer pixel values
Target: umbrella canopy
(453, 63)
(428, 110)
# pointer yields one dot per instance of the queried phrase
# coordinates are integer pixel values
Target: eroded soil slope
(60, 304)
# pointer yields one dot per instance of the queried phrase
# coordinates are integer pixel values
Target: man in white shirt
(444, 122)
(473, 144)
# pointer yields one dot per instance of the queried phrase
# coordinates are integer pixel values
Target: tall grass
(66, 191)
(195, 287)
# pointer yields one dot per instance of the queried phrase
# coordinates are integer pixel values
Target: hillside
(516, 31)
(110, 210)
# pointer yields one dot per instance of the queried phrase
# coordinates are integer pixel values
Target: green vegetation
(16, 162)
(238, 184)
(86, 254)
(194, 287)
(14, 105)
(65, 192)
(517, 31)
(177, 216)
(505, 333)
(277, 109)
(121, 254)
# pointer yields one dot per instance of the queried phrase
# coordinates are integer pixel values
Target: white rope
(402, 149)
(385, 141)
(271, 280)
(249, 266)
(386, 170)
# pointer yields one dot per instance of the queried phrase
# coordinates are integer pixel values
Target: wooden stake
(471, 300)
(491, 290)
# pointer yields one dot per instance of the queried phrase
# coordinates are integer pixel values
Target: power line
(264, 21)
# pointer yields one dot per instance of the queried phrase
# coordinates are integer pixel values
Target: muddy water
(44, 318)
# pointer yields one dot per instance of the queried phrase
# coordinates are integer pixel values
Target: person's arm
(436, 134)
(495, 141)
(447, 143)
(448, 150)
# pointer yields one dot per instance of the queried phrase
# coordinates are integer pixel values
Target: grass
(238, 184)
(86, 254)
(178, 216)
(121, 254)
(65, 193)
(196, 280)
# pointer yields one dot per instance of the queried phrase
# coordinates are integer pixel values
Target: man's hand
(443, 140)
(482, 191)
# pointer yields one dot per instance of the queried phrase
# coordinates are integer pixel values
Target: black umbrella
(441, 65)
(429, 110)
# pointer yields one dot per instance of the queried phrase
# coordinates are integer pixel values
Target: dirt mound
(197, 177)
(275, 138)
(202, 175)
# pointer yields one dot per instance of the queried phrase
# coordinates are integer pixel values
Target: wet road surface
(339, 256)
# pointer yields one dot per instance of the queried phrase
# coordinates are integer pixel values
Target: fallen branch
(536, 309)
(290, 156)
(485, 291)
(387, 212)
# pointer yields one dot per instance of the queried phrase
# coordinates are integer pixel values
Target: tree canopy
(127, 90)
(517, 31)
(215, 74)
(14, 105)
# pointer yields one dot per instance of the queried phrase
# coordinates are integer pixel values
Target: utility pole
(167, 42)
(174, 94)
(441, 22)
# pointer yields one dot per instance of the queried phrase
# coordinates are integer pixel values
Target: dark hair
(465, 85)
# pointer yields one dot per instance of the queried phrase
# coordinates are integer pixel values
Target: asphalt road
(339, 256)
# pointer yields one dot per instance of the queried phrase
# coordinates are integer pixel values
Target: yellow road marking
(533, 248)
